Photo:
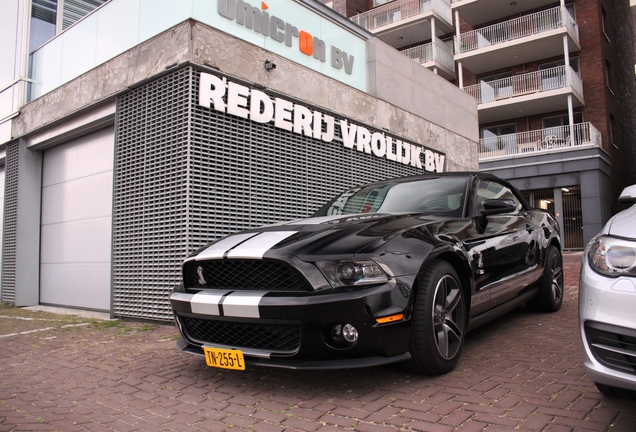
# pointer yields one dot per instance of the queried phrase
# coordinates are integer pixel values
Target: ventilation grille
(244, 275)
(273, 337)
(186, 175)
(614, 347)
(10, 223)
(149, 201)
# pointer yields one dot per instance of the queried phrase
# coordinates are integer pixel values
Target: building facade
(144, 133)
(555, 87)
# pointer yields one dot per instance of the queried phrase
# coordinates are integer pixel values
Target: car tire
(616, 391)
(550, 295)
(438, 321)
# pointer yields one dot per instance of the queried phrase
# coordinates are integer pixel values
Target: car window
(489, 189)
(437, 195)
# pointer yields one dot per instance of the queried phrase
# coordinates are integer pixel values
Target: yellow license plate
(224, 358)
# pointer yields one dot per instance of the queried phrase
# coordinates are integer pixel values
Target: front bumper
(608, 328)
(295, 330)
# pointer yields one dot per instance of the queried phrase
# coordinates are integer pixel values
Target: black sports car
(394, 271)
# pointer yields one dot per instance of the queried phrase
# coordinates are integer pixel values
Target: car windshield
(435, 195)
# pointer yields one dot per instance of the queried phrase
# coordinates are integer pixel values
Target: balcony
(553, 139)
(527, 94)
(434, 55)
(403, 23)
(521, 40)
(479, 12)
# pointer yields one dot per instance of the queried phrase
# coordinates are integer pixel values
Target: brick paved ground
(521, 372)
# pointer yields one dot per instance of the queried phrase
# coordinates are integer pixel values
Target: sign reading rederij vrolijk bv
(253, 104)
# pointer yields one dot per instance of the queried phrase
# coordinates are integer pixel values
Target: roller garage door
(75, 254)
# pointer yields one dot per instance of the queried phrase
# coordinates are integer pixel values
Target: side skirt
(500, 310)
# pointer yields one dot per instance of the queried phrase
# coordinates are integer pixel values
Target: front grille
(271, 337)
(244, 275)
(614, 347)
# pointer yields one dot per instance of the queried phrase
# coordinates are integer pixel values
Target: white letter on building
(331, 127)
(237, 99)
(378, 145)
(302, 120)
(283, 114)
(363, 140)
(416, 160)
(211, 91)
(261, 107)
(439, 163)
(348, 135)
(430, 161)
(406, 153)
(389, 149)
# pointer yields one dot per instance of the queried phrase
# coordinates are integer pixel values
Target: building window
(502, 137)
(43, 21)
(574, 64)
(605, 24)
(609, 77)
(561, 120)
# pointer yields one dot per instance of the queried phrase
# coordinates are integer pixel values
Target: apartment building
(554, 84)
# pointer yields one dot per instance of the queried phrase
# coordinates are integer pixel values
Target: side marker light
(390, 318)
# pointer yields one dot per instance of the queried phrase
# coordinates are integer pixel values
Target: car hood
(622, 224)
(326, 237)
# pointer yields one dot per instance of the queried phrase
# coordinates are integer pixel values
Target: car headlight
(613, 257)
(352, 272)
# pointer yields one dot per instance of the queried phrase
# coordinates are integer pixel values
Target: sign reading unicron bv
(260, 21)
(249, 103)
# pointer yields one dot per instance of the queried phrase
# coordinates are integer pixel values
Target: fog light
(349, 333)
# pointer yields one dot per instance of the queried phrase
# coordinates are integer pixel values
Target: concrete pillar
(595, 202)
(558, 209)
(27, 207)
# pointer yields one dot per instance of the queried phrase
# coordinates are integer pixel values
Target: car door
(504, 249)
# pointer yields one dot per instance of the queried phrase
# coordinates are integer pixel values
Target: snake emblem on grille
(201, 278)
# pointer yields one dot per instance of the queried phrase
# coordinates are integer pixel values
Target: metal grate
(275, 337)
(10, 223)
(572, 218)
(186, 175)
(614, 347)
(244, 275)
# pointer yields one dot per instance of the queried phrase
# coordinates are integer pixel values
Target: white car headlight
(352, 272)
(611, 256)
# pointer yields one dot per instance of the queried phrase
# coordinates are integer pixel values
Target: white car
(607, 303)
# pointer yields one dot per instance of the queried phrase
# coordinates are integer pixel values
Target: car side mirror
(628, 196)
(498, 206)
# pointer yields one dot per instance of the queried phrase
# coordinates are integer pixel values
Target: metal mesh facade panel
(186, 175)
(149, 199)
(10, 223)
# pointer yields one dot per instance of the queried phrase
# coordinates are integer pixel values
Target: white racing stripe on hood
(256, 247)
(206, 303)
(243, 304)
(317, 220)
(218, 249)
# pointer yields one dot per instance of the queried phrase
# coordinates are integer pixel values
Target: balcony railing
(521, 85)
(400, 10)
(425, 53)
(517, 28)
(562, 137)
